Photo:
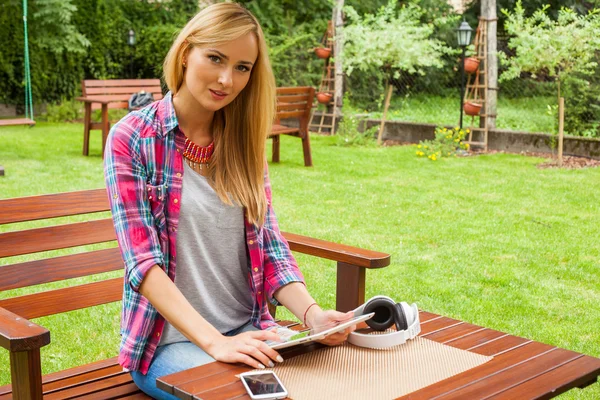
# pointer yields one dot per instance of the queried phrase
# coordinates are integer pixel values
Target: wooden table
(520, 369)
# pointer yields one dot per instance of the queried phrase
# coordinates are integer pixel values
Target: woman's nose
(225, 78)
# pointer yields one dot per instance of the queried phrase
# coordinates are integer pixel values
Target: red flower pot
(324, 98)
(323, 52)
(471, 65)
(472, 108)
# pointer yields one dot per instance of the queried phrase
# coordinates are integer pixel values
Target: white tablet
(305, 337)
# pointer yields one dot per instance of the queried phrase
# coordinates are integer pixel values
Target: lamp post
(131, 43)
(464, 39)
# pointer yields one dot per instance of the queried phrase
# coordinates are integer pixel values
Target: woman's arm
(248, 347)
(296, 298)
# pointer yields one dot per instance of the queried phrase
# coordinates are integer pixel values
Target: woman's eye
(243, 68)
(214, 59)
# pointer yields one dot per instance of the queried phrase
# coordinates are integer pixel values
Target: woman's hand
(248, 348)
(320, 320)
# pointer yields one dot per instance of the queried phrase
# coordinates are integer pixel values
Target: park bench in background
(103, 379)
(112, 93)
(293, 103)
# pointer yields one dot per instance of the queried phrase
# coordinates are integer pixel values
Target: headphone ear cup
(384, 313)
(400, 318)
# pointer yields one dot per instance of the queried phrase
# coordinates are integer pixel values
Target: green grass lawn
(522, 114)
(491, 239)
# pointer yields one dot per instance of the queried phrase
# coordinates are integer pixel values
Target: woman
(191, 203)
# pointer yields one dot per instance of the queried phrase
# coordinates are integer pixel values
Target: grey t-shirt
(212, 264)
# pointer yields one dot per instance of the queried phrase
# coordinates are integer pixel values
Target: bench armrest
(337, 252)
(19, 334)
(88, 100)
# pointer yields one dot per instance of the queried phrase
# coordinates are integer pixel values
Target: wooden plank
(581, 371)
(476, 338)
(290, 106)
(53, 380)
(337, 252)
(120, 82)
(33, 208)
(290, 114)
(297, 90)
(61, 300)
(92, 91)
(16, 121)
(452, 332)
(56, 237)
(436, 324)
(499, 363)
(500, 345)
(302, 98)
(89, 388)
(229, 391)
(187, 390)
(169, 382)
(18, 334)
(59, 268)
(77, 379)
(512, 375)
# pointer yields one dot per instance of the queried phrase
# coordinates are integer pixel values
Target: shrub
(447, 143)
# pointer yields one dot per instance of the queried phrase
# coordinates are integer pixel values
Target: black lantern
(131, 38)
(463, 35)
(131, 43)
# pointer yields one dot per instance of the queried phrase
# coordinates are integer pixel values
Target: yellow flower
(419, 146)
(456, 128)
(468, 130)
(457, 140)
(433, 157)
(467, 145)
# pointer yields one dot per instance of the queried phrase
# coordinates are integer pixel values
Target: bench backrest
(118, 91)
(295, 102)
(29, 241)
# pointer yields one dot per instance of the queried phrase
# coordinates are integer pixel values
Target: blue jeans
(173, 358)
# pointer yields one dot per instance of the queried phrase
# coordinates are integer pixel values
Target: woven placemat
(350, 372)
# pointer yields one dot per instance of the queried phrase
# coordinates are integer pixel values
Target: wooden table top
(520, 369)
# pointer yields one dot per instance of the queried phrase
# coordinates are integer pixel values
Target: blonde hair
(240, 129)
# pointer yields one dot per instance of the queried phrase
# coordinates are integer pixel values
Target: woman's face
(215, 75)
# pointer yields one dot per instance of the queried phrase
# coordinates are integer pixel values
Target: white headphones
(387, 313)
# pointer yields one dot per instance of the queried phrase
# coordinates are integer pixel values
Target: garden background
(75, 39)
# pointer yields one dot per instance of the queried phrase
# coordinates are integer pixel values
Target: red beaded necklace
(197, 155)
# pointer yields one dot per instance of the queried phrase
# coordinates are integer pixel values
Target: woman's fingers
(258, 355)
(265, 349)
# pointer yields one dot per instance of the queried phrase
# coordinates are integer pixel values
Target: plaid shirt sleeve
(280, 266)
(125, 177)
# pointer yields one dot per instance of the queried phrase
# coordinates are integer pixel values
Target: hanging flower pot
(323, 52)
(324, 97)
(472, 108)
(471, 65)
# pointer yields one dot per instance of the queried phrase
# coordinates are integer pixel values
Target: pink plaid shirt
(143, 170)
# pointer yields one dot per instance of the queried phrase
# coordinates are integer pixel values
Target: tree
(560, 48)
(394, 40)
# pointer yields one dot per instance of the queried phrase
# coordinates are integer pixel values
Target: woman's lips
(217, 95)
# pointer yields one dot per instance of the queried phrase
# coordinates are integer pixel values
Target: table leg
(87, 121)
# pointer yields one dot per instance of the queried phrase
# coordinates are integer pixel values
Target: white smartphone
(263, 385)
(309, 336)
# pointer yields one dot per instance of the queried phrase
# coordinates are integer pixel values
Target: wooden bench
(112, 93)
(23, 339)
(293, 103)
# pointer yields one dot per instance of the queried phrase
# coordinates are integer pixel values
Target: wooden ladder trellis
(325, 121)
(477, 87)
